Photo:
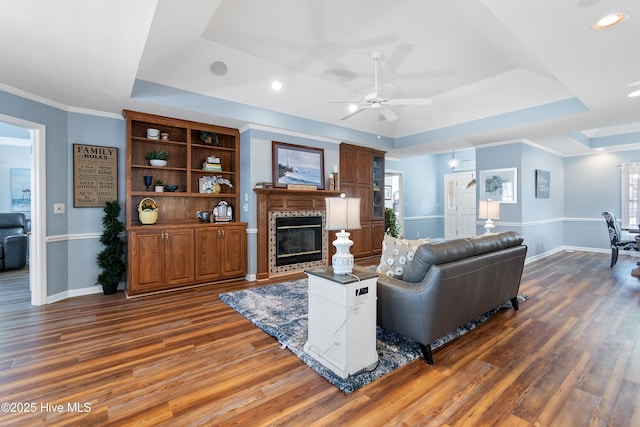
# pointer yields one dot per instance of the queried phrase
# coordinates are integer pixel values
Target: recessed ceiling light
(353, 108)
(600, 149)
(276, 85)
(634, 94)
(610, 20)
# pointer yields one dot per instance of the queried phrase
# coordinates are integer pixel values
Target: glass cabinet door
(378, 187)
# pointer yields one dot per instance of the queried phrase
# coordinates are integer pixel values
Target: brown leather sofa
(449, 284)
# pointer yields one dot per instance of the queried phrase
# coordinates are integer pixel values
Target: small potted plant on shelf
(159, 186)
(210, 138)
(158, 157)
(110, 258)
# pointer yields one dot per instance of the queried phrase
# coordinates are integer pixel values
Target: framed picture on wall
(95, 175)
(543, 184)
(295, 164)
(20, 190)
(499, 184)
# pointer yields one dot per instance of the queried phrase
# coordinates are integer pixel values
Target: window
(630, 188)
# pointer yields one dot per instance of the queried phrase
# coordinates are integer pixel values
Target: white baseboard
(78, 293)
(576, 249)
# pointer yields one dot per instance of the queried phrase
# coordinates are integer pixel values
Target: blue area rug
(281, 311)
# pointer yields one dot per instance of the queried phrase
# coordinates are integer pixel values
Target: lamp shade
(343, 213)
(489, 209)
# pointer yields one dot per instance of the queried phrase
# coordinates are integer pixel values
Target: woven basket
(147, 217)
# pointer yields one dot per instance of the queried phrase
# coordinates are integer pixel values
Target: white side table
(342, 319)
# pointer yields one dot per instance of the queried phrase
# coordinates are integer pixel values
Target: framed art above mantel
(295, 164)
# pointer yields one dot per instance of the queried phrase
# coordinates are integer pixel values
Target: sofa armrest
(401, 305)
(15, 251)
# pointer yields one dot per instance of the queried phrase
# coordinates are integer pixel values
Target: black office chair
(614, 236)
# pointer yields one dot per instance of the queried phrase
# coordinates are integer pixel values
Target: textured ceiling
(496, 70)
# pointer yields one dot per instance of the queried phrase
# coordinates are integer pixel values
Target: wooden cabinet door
(208, 253)
(146, 266)
(234, 261)
(179, 256)
(361, 240)
(363, 167)
(366, 202)
(347, 162)
(377, 236)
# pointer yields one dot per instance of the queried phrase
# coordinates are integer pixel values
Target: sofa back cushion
(453, 250)
(397, 255)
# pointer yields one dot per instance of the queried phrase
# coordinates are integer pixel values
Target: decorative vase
(157, 162)
(147, 217)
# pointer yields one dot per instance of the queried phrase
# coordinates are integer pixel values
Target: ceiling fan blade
(388, 114)
(410, 101)
(359, 110)
(344, 101)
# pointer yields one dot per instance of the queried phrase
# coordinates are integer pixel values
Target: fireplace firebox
(298, 240)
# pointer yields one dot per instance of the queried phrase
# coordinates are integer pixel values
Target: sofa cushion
(453, 250)
(397, 254)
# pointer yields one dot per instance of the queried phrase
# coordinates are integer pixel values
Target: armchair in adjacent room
(13, 241)
(615, 237)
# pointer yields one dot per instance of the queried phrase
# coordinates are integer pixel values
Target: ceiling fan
(377, 100)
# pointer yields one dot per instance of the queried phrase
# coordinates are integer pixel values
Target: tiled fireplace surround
(274, 202)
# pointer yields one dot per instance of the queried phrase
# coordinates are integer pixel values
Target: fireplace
(282, 203)
(298, 240)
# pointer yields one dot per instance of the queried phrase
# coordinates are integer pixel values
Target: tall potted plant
(392, 228)
(110, 258)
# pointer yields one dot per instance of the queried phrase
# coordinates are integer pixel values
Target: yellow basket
(147, 217)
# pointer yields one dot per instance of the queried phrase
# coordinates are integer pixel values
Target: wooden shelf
(178, 250)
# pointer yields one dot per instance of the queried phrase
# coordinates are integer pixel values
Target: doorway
(37, 244)
(393, 196)
(459, 205)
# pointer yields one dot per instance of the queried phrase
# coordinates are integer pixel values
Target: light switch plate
(58, 208)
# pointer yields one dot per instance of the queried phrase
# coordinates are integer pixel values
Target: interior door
(459, 205)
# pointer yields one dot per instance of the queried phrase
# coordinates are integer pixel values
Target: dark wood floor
(569, 357)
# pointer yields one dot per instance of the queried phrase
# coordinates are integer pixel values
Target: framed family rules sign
(95, 175)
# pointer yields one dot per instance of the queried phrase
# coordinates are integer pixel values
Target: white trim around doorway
(37, 244)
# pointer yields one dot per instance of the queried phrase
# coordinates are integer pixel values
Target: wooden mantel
(279, 199)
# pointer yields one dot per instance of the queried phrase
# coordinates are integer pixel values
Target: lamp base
(342, 261)
(489, 226)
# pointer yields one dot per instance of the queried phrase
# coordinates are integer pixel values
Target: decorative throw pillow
(397, 254)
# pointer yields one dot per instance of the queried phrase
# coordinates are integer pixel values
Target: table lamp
(489, 210)
(343, 213)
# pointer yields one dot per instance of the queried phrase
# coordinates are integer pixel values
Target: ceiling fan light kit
(376, 101)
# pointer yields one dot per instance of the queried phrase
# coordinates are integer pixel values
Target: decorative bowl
(153, 133)
(171, 187)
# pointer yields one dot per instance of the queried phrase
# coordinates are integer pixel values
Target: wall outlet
(58, 208)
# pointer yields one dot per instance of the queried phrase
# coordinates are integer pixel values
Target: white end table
(342, 319)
